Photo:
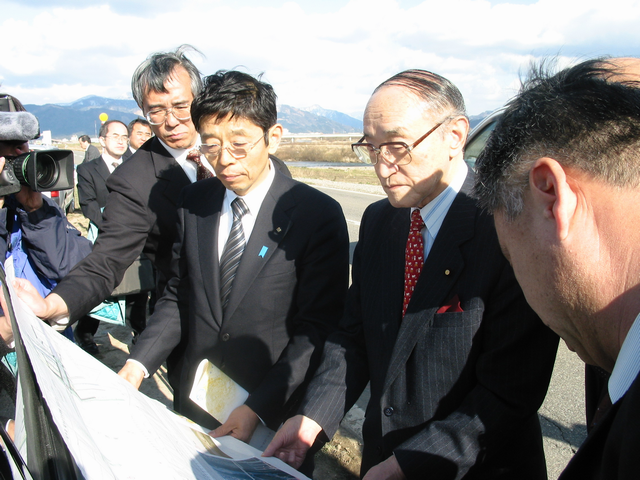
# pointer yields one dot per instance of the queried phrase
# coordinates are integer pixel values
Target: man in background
(561, 172)
(93, 193)
(139, 132)
(458, 363)
(90, 152)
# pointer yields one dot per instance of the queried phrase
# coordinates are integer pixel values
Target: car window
(477, 142)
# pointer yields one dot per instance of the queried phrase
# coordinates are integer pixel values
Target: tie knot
(194, 156)
(115, 164)
(239, 208)
(416, 220)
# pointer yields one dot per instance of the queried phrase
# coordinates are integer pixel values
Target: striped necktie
(232, 251)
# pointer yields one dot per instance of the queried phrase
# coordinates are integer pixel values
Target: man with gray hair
(458, 363)
(141, 211)
(561, 173)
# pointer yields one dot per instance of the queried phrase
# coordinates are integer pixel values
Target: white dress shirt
(253, 201)
(188, 166)
(627, 364)
(433, 213)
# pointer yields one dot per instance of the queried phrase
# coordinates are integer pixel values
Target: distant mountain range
(81, 117)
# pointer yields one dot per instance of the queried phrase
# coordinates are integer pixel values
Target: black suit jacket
(91, 153)
(453, 393)
(287, 295)
(610, 451)
(92, 188)
(140, 216)
(127, 154)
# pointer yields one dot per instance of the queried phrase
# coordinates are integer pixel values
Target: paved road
(562, 413)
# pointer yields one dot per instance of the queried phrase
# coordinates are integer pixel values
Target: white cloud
(331, 56)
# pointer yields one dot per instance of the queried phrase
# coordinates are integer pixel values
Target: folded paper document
(216, 393)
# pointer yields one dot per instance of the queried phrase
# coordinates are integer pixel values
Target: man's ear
(552, 194)
(102, 142)
(458, 130)
(275, 135)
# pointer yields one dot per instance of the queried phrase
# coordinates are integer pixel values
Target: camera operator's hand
(29, 199)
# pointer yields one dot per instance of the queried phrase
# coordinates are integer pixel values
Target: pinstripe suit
(453, 394)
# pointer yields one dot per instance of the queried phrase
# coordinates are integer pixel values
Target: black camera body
(42, 171)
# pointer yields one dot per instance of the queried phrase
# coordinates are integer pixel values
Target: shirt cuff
(144, 369)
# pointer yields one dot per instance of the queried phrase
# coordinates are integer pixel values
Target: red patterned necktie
(202, 172)
(413, 257)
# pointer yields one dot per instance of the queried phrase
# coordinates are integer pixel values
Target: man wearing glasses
(457, 362)
(93, 194)
(260, 259)
(141, 212)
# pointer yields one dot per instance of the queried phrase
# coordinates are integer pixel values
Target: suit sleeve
(88, 196)
(125, 229)
(164, 328)
(322, 279)
(343, 372)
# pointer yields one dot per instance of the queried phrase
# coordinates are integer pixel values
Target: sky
(331, 53)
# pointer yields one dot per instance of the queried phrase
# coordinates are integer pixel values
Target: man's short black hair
(236, 94)
(581, 117)
(84, 138)
(139, 120)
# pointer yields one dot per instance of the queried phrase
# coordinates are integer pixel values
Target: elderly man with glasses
(458, 363)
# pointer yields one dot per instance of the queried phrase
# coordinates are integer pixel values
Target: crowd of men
(462, 280)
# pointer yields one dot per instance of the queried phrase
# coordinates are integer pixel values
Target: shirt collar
(180, 154)
(627, 364)
(255, 197)
(434, 212)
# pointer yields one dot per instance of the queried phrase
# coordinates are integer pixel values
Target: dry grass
(359, 175)
(335, 153)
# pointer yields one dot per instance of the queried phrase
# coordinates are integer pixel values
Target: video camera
(43, 171)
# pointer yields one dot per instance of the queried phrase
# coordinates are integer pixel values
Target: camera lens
(46, 171)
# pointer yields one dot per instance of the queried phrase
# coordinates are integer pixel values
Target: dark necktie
(202, 172)
(115, 164)
(232, 251)
(603, 408)
(413, 257)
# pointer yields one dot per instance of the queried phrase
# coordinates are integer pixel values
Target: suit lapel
(272, 224)
(439, 274)
(102, 168)
(207, 239)
(169, 170)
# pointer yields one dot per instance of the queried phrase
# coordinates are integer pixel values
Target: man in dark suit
(458, 364)
(90, 152)
(139, 133)
(265, 323)
(141, 211)
(93, 193)
(561, 174)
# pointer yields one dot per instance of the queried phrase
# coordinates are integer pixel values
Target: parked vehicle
(478, 137)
